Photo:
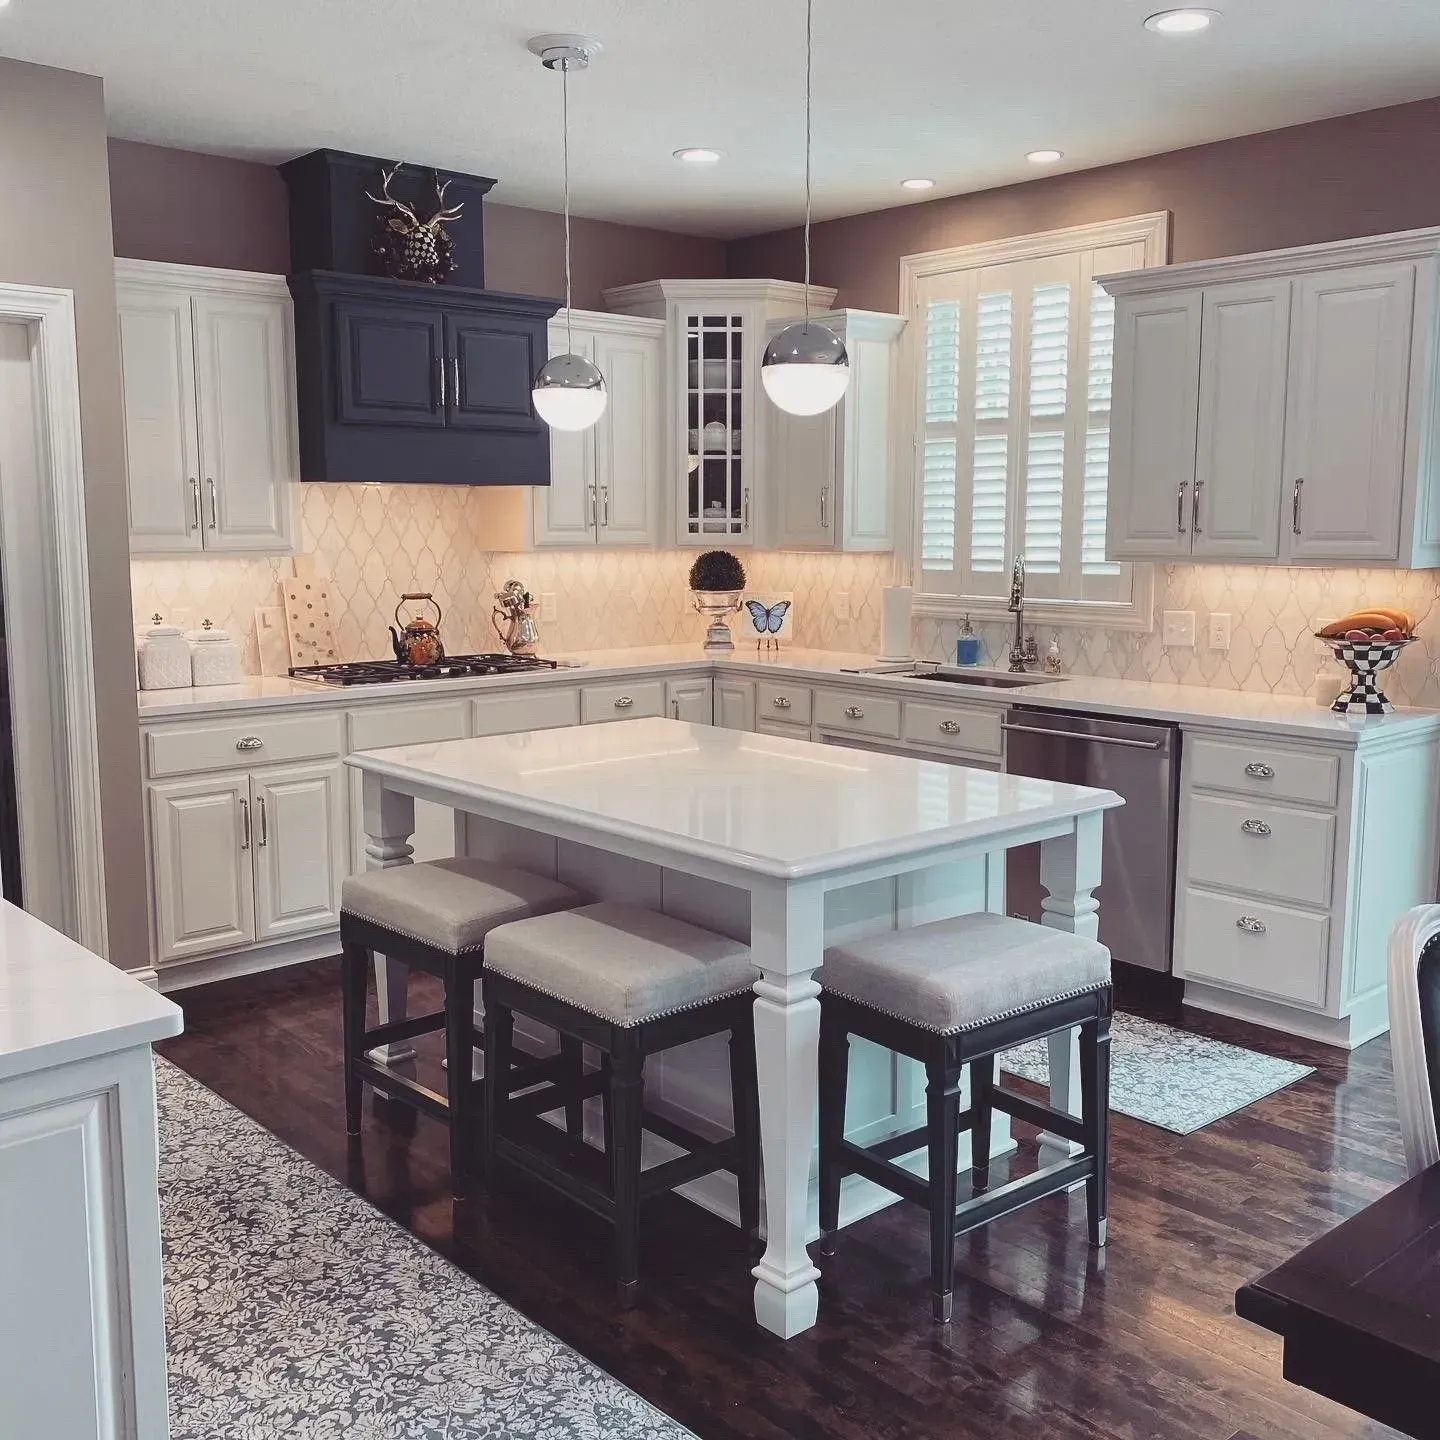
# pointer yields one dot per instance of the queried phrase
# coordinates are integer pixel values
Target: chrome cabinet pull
(1255, 827)
(1180, 507)
(605, 507)
(780, 702)
(594, 520)
(1195, 507)
(1251, 924)
(195, 502)
(854, 712)
(264, 828)
(214, 511)
(623, 702)
(244, 824)
(824, 497)
(745, 507)
(675, 708)
(454, 379)
(440, 371)
(1258, 770)
(249, 742)
(949, 727)
(1120, 740)
(1295, 507)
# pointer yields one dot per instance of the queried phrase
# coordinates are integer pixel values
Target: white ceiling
(944, 88)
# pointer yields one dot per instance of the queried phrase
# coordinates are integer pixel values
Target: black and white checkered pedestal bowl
(1365, 662)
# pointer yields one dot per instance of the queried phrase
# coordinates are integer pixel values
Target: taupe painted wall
(57, 232)
(1357, 175)
(195, 209)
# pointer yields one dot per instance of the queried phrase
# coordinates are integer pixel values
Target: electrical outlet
(549, 609)
(1178, 627)
(841, 602)
(1219, 630)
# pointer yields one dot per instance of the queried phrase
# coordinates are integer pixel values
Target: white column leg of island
(1069, 875)
(389, 824)
(787, 941)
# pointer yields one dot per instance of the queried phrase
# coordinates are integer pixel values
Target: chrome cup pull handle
(854, 712)
(1255, 827)
(1250, 924)
(949, 727)
(623, 702)
(780, 702)
(249, 742)
(1258, 770)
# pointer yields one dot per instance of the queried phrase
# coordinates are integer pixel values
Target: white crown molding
(608, 322)
(776, 292)
(163, 275)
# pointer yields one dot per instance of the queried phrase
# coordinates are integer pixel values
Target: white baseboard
(185, 974)
(147, 975)
(1347, 1032)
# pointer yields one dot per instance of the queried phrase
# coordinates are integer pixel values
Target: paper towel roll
(895, 603)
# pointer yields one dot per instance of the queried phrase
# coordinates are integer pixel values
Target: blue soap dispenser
(967, 647)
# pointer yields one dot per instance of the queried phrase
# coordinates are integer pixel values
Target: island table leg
(389, 824)
(787, 941)
(1069, 874)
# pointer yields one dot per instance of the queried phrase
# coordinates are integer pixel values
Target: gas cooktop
(452, 667)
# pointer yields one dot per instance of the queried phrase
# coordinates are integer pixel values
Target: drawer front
(1270, 771)
(1268, 849)
(380, 726)
(549, 708)
(629, 701)
(192, 749)
(841, 711)
(1254, 945)
(954, 727)
(765, 726)
(785, 704)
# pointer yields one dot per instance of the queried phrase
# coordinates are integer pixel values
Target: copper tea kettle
(417, 642)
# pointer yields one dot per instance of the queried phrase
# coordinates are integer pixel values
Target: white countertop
(1192, 705)
(59, 1003)
(776, 807)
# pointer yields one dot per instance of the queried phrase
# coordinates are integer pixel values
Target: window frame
(1152, 232)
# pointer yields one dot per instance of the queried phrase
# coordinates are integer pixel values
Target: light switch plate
(1219, 630)
(1178, 627)
(549, 610)
(841, 601)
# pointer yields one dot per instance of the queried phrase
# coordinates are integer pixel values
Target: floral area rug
(1171, 1078)
(295, 1309)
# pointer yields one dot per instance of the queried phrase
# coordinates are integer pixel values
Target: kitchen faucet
(1023, 653)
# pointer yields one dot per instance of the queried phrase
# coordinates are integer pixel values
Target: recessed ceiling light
(1181, 22)
(917, 184)
(1044, 157)
(697, 155)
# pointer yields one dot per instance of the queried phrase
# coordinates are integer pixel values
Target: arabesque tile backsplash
(377, 541)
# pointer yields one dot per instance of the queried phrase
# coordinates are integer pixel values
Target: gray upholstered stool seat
(954, 975)
(619, 962)
(451, 904)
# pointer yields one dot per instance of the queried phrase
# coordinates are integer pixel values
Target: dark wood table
(1360, 1309)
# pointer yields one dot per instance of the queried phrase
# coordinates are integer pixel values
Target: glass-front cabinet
(716, 338)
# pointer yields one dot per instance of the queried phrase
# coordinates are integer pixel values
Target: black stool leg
(982, 1083)
(745, 1103)
(627, 1124)
(499, 1043)
(942, 1105)
(460, 1070)
(354, 963)
(1095, 1118)
(834, 1078)
(572, 1058)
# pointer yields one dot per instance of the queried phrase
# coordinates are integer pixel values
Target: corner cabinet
(208, 375)
(713, 470)
(1280, 408)
(605, 481)
(829, 479)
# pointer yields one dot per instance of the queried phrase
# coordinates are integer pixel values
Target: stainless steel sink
(988, 679)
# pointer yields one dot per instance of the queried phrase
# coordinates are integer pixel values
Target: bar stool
(631, 983)
(432, 917)
(950, 994)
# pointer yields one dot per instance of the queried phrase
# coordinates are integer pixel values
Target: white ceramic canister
(164, 658)
(214, 657)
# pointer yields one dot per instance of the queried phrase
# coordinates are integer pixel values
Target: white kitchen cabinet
(605, 481)
(691, 700)
(208, 376)
(713, 469)
(298, 825)
(735, 704)
(829, 479)
(1280, 407)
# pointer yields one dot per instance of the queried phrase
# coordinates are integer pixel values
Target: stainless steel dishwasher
(1140, 761)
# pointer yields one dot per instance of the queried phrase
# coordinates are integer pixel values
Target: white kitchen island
(781, 842)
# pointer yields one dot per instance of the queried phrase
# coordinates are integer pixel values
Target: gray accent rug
(295, 1309)
(1171, 1078)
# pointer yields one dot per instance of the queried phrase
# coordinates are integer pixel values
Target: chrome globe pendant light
(569, 391)
(806, 367)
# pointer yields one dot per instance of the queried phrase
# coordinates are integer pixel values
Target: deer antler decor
(411, 248)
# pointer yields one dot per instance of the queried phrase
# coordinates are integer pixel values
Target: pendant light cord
(565, 150)
(809, 12)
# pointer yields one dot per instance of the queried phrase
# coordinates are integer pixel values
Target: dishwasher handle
(1085, 739)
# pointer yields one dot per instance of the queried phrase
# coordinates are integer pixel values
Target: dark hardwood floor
(1048, 1339)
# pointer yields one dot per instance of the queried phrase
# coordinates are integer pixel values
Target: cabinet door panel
(565, 510)
(1152, 431)
(627, 439)
(1244, 351)
(246, 409)
(1345, 437)
(494, 363)
(735, 704)
(388, 360)
(299, 845)
(162, 447)
(200, 860)
(802, 469)
(690, 700)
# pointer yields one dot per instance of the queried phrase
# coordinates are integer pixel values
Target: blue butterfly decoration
(767, 619)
